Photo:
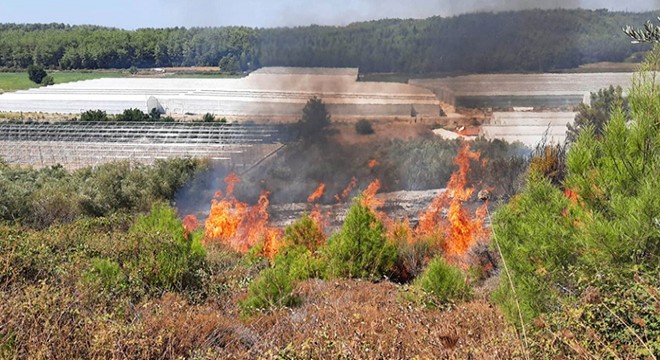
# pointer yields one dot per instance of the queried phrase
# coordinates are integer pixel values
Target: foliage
(598, 113)
(649, 34)
(132, 115)
(443, 282)
(403, 46)
(360, 249)
(94, 115)
(363, 127)
(208, 117)
(304, 232)
(47, 80)
(43, 197)
(549, 161)
(274, 287)
(589, 239)
(229, 64)
(315, 119)
(36, 73)
(154, 114)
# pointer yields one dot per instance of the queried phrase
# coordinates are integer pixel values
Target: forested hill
(535, 40)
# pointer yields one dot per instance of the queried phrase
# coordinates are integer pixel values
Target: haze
(131, 14)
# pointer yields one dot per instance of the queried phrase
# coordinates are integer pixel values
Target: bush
(208, 117)
(47, 80)
(274, 286)
(444, 283)
(575, 247)
(360, 249)
(304, 232)
(36, 73)
(132, 115)
(94, 115)
(46, 196)
(169, 260)
(363, 127)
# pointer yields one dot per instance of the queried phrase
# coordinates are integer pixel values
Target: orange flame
(317, 194)
(460, 231)
(190, 223)
(369, 196)
(344, 194)
(239, 225)
(373, 163)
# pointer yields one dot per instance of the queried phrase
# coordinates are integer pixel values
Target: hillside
(534, 40)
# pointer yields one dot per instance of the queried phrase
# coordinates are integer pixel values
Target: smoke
(260, 13)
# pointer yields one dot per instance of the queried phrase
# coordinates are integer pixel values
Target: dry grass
(357, 319)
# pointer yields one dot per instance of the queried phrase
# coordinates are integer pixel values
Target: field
(13, 81)
(268, 94)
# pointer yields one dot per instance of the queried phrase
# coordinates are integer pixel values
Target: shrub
(304, 232)
(47, 80)
(106, 273)
(36, 73)
(274, 286)
(208, 117)
(363, 127)
(443, 282)
(132, 115)
(360, 249)
(94, 115)
(574, 252)
(154, 114)
(167, 259)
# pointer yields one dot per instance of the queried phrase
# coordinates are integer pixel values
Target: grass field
(13, 81)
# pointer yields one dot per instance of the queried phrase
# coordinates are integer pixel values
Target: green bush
(208, 117)
(36, 73)
(363, 127)
(274, 286)
(272, 289)
(94, 115)
(360, 249)
(580, 250)
(42, 197)
(48, 80)
(304, 232)
(106, 273)
(169, 260)
(132, 115)
(444, 283)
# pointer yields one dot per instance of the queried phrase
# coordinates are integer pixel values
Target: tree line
(533, 40)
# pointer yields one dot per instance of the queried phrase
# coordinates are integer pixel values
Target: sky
(131, 14)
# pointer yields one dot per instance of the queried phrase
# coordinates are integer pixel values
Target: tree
(598, 113)
(36, 73)
(229, 64)
(315, 120)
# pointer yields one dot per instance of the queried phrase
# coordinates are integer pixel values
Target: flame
(373, 163)
(369, 196)
(317, 194)
(344, 194)
(190, 223)
(239, 225)
(459, 229)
